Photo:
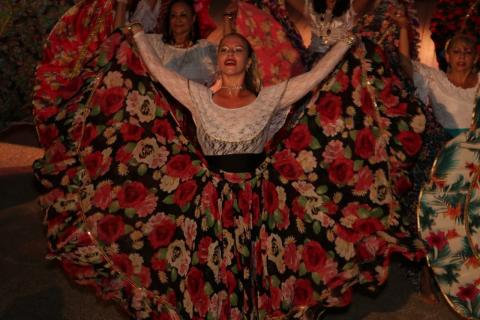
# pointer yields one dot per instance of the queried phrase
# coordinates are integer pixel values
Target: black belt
(244, 162)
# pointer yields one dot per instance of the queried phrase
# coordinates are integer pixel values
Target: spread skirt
(134, 211)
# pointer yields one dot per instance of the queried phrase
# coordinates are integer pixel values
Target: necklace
(231, 88)
(184, 45)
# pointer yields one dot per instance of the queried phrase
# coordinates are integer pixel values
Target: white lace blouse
(196, 63)
(246, 129)
(453, 106)
(326, 33)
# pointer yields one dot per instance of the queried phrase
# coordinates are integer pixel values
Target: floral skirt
(134, 211)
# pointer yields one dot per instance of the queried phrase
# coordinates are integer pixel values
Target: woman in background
(452, 93)
(329, 20)
(180, 47)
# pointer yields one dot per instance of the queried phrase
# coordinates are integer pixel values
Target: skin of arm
(120, 13)
(404, 43)
(300, 85)
(298, 5)
(229, 16)
(175, 84)
(360, 6)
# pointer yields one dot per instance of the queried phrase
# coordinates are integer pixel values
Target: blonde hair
(461, 37)
(253, 80)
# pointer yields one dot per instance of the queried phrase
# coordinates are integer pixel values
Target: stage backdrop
(24, 25)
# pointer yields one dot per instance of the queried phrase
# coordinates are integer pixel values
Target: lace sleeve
(299, 86)
(172, 81)
(423, 76)
(349, 16)
(146, 15)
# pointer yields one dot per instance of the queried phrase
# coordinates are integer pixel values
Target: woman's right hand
(399, 17)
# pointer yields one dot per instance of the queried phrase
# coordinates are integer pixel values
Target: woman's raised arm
(300, 85)
(172, 81)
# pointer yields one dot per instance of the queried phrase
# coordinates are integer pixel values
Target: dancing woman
(452, 93)
(137, 212)
(180, 47)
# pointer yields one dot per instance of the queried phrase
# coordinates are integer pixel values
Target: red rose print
(180, 166)
(162, 316)
(386, 95)
(158, 264)
(329, 108)
(245, 197)
(145, 277)
(366, 102)
(299, 139)
(162, 232)
(45, 113)
(202, 304)
(89, 134)
(127, 57)
(347, 234)
(131, 132)
(209, 200)
(47, 135)
(123, 263)
(303, 293)
(123, 156)
(76, 270)
(231, 282)
(341, 171)
(314, 256)
(110, 228)
(69, 87)
(364, 252)
(185, 193)
(368, 226)
(160, 101)
(402, 185)
(411, 142)
(227, 214)
(110, 100)
(163, 128)
(255, 208)
(343, 80)
(132, 194)
(195, 283)
(110, 45)
(203, 249)
(365, 179)
(397, 110)
(275, 297)
(93, 162)
(287, 166)
(297, 209)
(290, 256)
(469, 292)
(270, 195)
(365, 143)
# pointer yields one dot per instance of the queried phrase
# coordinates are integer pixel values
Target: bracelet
(350, 39)
(130, 27)
(229, 15)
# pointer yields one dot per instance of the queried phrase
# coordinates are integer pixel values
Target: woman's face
(461, 56)
(181, 18)
(232, 55)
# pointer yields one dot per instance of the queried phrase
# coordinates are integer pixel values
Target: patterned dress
(134, 211)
